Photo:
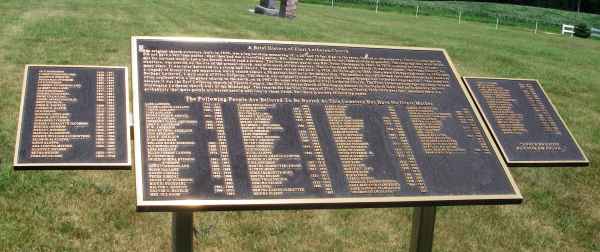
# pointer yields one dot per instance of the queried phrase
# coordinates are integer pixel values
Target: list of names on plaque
(168, 155)
(51, 136)
(290, 121)
(524, 122)
(105, 115)
(502, 105)
(73, 117)
(543, 116)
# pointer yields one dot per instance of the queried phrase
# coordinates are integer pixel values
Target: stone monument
(266, 7)
(288, 8)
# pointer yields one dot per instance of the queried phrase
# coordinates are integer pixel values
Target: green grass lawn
(95, 211)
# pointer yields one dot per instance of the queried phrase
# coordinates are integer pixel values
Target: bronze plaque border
(533, 163)
(305, 203)
(72, 166)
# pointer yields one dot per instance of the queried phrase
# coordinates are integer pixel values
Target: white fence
(595, 32)
(567, 29)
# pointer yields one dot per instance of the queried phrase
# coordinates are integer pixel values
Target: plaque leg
(182, 225)
(130, 125)
(422, 229)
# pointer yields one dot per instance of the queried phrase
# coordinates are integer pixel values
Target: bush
(582, 31)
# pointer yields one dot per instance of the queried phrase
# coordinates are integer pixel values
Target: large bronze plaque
(73, 117)
(236, 124)
(524, 123)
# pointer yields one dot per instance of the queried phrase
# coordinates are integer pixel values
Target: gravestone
(73, 117)
(271, 4)
(288, 8)
(524, 123)
(238, 124)
(267, 7)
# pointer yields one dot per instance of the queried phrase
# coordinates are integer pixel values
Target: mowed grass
(95, 211)
(509, 14)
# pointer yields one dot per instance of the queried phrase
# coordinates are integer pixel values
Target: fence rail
(595, 32)
(567, 29)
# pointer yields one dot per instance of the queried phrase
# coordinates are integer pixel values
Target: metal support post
(459, 16)
(417, 13)
(182, 231)
(536, 27)
(130, 125)
(422, 229)
(497, 22)
(377, 6)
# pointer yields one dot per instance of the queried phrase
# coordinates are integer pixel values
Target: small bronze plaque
(524, 123)
(237, 124)
(73, 117)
